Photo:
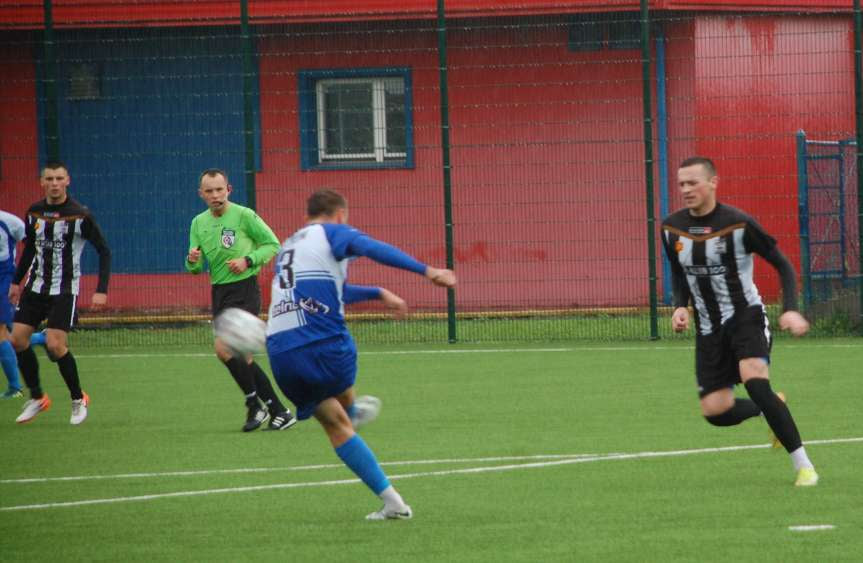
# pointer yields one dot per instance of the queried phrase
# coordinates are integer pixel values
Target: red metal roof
(98, 13)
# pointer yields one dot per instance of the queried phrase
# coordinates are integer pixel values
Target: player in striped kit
(312, 354)
(56, 229)
(710, 247)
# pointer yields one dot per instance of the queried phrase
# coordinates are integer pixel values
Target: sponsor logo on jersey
(705, 271)
(700, 230)
(229, 237)
(314, 306)
(308, 305)
(52, 244)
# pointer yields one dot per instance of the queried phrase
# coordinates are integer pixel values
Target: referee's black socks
(265, 389)
(242, 375)
(775, 412)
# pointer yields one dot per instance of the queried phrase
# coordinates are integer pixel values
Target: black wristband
(249, 262)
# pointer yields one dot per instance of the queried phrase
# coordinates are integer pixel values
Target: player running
(710, 247)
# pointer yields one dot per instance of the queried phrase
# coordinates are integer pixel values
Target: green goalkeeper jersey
(237, 233)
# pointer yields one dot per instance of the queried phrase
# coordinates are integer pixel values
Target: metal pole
(858, 106)
(447, 180)
(648, 167)
(662, 152)
(803, 218)
(52, 128)
(248, 111)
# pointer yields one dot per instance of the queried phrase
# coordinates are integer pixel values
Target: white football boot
(397, 513)
(79, 410)
(366, 409)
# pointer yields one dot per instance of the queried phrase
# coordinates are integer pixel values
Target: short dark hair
(703, 161)
(212, 173)
(53, 165)
(325, 202)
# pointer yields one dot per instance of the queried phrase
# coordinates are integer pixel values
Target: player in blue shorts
(11, 233)
(312, 354)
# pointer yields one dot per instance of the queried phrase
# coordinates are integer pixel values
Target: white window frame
(379, 119)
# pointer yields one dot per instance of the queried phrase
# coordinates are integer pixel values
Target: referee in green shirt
(235, 243)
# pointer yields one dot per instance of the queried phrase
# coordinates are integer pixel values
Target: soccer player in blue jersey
(312, 354)
(11, 233)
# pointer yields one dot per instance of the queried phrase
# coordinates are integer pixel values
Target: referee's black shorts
(244, 294)
(717, 355)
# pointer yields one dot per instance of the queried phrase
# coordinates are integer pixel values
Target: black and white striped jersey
(55, 236)
(712, 263)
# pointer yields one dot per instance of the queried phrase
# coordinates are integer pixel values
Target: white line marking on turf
(192, 473)
(446, 472)
(683, 347)
(812, 528)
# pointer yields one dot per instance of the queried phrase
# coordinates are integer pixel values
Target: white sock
(392, 498)
(800, 459)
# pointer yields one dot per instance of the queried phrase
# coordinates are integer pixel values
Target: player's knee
(760, 390)
(20, 344)
(55, 350)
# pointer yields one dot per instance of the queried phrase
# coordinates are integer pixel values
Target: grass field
(558, 452)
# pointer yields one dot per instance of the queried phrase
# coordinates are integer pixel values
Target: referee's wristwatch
(249, 262)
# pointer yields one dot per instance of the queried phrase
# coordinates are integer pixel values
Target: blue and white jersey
(309, 288)
(11, 233)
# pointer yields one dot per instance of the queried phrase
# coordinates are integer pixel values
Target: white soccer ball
(241, 331)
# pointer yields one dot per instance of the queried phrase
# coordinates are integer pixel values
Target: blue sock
(10, 364)
(360, 459)
(351, 410)
(37, 338)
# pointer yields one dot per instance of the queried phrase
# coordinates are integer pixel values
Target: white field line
(446, 472)
(193, 473)
(812, 528)
(682, 347)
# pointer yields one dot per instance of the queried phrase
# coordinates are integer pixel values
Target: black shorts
(58, 309)
(717, 355)
(244, 294)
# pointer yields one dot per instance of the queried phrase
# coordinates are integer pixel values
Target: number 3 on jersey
(286, 269)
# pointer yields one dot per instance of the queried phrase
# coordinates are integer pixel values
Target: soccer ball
(241, 331)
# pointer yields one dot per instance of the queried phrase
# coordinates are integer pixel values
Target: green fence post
(648, 167)
(52, 127)
(858, 106)
(803, 218)
(248, 116)
(447, 180)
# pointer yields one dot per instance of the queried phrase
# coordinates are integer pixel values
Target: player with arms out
(236, 243)
(313, 356)
(710, 247)
(56, 228)
(11, 233)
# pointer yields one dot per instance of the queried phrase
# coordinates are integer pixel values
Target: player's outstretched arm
(441, 277)
(355, 293)
(793, 322)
